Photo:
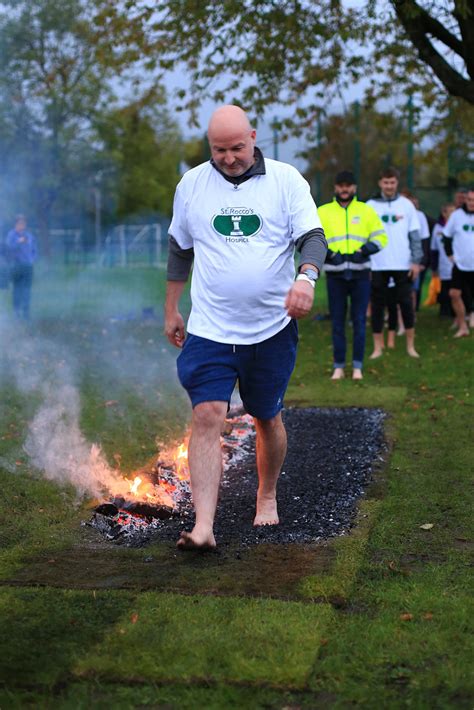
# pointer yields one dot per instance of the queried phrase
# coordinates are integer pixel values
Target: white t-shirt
(243, 238)
(424, 226)
(399, 218)
(460, 227)
(445, 266)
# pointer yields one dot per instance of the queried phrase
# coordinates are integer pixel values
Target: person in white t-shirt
(458, 241)
(441, 265)
(239, 217)
(398, 262)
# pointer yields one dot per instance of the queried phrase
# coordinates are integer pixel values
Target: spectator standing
(459, 245)
(459, 197)
(354, 233)
(440, 264)
(400, 260)
(21, 252)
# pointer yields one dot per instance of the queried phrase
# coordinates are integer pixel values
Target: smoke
(48, 372)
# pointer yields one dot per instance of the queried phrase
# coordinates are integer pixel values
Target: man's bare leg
(460, 311)
(410, 336)
(378, 346)
(271, 452)
(391, 339)
(205, 468)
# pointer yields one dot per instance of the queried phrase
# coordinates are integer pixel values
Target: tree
(143, 148)
(52, 84)
(303, 53)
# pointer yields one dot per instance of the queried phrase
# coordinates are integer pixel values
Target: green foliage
(302, 54)
(144, 147)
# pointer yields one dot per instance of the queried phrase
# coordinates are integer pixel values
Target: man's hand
(299, 299)
(174, 328)
(414, 271)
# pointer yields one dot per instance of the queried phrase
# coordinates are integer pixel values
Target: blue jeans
(22, 278)
(339, 290)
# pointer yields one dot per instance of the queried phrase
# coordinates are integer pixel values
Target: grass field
(381, 618)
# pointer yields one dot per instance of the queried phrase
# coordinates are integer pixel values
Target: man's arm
(179, 266)
(416, 252)
(312, 247)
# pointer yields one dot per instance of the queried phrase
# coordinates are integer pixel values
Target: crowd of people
(378, 255)
(237, 219)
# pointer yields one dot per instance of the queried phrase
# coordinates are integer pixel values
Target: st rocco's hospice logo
(237, 224)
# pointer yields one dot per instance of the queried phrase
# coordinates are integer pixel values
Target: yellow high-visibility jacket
(351, 229)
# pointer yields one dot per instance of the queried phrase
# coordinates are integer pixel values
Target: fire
(182, 462)
(134, 486)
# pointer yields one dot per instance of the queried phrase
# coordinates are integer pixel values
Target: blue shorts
(209, 371)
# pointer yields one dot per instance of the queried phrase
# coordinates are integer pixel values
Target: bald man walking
(239, 217)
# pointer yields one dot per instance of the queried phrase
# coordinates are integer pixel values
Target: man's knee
(209, 415)
(269, 425)
(455, 294)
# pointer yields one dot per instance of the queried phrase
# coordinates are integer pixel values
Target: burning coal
(163, 490)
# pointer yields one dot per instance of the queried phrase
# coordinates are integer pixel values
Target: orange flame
(182, 462)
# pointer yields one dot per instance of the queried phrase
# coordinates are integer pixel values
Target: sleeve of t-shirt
(179, 223)
(424, 228)
(414, 222)
(303, 213)
(448, 229)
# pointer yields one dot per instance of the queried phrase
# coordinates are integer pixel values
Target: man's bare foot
(338, 374)
(195, 541)
(267, 513)
(357, 374)
(377, 353)
(412, 352)
(462, 333)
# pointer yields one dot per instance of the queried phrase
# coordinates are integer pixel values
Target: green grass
(379, 618)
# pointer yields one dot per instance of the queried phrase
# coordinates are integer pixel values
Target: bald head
(232, 140)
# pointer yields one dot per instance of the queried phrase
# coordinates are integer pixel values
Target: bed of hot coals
(161, 492)
(331, 457)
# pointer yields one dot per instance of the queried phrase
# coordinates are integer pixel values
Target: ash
(330, 461)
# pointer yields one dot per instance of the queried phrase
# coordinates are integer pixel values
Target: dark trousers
(445, 307)
(22, 278)
(339, 291)
(378, 297)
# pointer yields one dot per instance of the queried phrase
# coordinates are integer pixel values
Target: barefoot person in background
(239, 216)
(400, 260)
(458, 241)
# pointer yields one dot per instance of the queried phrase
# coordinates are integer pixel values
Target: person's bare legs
(205, 468)
(271, 452)
(410, 336)
(391, 339)
(460, 310)
(378, 346)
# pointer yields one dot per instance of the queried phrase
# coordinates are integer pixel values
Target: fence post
(123, 246)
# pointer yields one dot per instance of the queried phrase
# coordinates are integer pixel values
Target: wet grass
(381, 618)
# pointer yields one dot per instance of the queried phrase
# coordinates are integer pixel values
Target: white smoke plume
(45, 371)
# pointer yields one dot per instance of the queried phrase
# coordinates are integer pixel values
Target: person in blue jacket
(22, 252)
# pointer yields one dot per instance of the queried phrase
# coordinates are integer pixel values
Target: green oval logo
(237, 223)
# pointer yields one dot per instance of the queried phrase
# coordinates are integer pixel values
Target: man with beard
(353, 232)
